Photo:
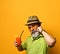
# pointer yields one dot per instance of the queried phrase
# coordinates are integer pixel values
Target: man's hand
(17, 42)
(40, 29)
(49, 39)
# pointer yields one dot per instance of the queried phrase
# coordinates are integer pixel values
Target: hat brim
(32, 23)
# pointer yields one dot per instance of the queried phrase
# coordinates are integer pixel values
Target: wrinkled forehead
(31, 25)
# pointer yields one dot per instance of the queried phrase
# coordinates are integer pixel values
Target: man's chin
(35, 34)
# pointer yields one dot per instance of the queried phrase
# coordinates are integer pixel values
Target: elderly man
(39, 40)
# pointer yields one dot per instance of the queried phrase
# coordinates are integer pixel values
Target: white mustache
(33, 31)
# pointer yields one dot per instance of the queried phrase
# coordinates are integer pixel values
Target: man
(39, 40)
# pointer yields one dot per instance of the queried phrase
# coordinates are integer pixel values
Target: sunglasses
(31, 25)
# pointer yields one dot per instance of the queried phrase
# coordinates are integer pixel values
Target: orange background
(14, 14)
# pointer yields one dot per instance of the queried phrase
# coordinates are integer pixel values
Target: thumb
(39, 29)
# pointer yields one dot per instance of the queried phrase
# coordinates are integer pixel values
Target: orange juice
(18, 40)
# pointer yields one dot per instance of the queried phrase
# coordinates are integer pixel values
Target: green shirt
(38, 46)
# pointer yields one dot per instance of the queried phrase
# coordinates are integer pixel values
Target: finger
(15, 43)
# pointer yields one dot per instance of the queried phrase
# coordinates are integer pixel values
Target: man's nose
(32, 29)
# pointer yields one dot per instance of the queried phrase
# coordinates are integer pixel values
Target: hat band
(32, 21)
